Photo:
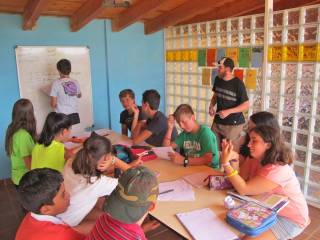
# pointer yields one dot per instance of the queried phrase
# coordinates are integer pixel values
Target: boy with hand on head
(132, 114)
(197, 141)
(65, 92)
(42, 193)
(154, 130)
(128, 206)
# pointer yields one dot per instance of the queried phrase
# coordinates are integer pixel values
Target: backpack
(70, 88)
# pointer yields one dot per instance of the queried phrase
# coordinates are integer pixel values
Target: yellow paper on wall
(193, 55)
(251, 79)
(291, 53)
(206, 76)
(308, 53)
(178, 56)
(233, 53)
(185, 56)
(170, 56)
(275, 54)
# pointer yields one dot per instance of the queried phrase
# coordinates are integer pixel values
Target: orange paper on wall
(309, 53)
(251, 79)
(211, 57)
(233, 53)
(206, 76)
(193, 55)
(275, 54)
(169, 56)
(177, 56)
(291, 53)
(238, 73)
(185, 56)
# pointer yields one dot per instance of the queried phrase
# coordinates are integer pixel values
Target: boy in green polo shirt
(198, 142)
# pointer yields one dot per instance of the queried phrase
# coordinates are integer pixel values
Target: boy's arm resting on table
(139, 134)
(167, 139)
(205, 159)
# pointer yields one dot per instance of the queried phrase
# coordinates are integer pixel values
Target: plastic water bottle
(229, 203)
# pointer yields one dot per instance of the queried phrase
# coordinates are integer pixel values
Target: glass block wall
(291, 88)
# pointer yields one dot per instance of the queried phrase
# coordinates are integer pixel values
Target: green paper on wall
(244, 57)
(202, 57)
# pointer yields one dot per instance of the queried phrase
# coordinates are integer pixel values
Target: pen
(167, 191)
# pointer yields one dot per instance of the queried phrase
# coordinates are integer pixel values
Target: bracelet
(225, 164)
(234, 172)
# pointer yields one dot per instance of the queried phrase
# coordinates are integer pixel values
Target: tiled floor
(11, 215)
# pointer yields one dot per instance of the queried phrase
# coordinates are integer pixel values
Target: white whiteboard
(36, 67)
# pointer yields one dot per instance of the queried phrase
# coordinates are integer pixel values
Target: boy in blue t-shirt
(198, 142)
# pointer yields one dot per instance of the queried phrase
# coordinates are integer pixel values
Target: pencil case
(251, 218)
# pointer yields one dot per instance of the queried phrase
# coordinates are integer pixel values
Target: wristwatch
(185, 162)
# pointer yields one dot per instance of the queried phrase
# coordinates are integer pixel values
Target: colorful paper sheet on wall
(185, 56)
(244, 57)
(202, 59)
(206, 76)
(251, 79)
(214, 74)
(211, 57)
(308, 53)
(257, 57)
(238, 73)
(177, 56)
(221, 53)
(233, 53)
(193, 55)
(275, 54)
(291, 53)
(170, 56)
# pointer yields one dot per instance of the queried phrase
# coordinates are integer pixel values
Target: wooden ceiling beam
(32, 12)
(181, 13)
(86, 13)
(135, 13)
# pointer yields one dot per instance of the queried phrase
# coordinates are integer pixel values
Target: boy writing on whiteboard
(65, 92)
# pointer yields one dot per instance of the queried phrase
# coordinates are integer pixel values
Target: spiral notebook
(203, 224)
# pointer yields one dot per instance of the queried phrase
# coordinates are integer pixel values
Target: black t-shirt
(158, 125)
(229, 94)
(126, 118)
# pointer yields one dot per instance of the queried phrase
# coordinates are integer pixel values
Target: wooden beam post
(32, 12)
(181, 13)
(135, 13)
(86, 13)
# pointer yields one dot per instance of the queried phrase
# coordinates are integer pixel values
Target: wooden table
(165, 211)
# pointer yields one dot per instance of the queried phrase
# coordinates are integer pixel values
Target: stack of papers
(203, 224)
(178, 190)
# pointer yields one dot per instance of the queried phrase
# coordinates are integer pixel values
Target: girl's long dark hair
(85, 162)
(262, 118)
(278, 153)
(22, 118)
(54, 124)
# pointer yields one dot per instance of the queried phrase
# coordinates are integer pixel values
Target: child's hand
(176, 158)
(170, 121)
(135, 109)
(227, 151)
(106, 164)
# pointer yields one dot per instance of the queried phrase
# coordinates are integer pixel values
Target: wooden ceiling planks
(155, 14)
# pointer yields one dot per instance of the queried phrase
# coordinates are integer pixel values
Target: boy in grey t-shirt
(65, 92)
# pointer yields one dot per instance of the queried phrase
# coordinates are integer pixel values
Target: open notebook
(203, 224)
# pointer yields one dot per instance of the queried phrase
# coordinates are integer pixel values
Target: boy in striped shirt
(128, 206)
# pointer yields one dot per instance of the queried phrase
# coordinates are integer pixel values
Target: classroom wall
(118, 60)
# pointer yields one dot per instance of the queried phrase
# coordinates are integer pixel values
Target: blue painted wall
(118, 60)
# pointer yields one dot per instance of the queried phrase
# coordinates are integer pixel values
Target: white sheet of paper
(203, 224)
(197, 179)
(182, 191)
(162, 152)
